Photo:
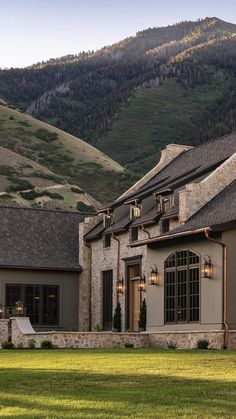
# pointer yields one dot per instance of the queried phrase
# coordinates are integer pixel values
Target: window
(135, 212)
(107, 220)
(134, 234)
(167, 203)
(40, 301)
(107, 240)
(182, 287)
(165, 226)
(107, 295)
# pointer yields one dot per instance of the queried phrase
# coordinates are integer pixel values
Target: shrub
(143, 315)
(97, 328)
(45, 135)
(46, 344)
(202, 344)
(7, 170)
(84, 207)
(171, 345)
(31, 195)
(19, 185)
(7, 345)
(20, 345)
(129, 345)
(117, 318)
(76, 190)
(31, 344)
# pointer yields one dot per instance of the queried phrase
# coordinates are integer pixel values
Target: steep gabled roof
(39, 239)
(188, 166)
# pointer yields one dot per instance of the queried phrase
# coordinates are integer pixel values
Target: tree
(143, 315)
(117, 318)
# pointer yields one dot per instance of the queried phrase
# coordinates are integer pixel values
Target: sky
(37, 30)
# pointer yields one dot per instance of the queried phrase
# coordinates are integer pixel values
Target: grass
(62, 154)
(124, 383)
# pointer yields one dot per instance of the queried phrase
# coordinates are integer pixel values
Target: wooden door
(134, 296)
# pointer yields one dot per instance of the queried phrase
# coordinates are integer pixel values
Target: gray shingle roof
(95, 232)
(39, 239)
(189, 165)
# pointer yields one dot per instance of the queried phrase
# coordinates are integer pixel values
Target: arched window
(182, 287)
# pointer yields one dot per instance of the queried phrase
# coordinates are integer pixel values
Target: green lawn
(125, 383)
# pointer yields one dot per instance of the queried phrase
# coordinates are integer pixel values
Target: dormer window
(167, 203)
(107, 220)
(135, 212)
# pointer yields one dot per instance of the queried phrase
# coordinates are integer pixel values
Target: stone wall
(77, 340)
(3, 330)
(196, 195)
(187, 340)
(232, 339)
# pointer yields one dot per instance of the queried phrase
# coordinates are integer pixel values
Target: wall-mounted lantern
(120, 285)
(142, 283)
(1, 311)
(154, 278)
(207, 267)
(19, 308)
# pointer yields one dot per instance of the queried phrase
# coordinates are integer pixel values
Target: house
(40, 266)
(170, 240)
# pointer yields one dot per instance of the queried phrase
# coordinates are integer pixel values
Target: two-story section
(134, 257)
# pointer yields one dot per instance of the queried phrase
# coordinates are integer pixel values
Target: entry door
(134, 296)
(107, 291)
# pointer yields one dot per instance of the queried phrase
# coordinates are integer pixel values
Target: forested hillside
(172, 84)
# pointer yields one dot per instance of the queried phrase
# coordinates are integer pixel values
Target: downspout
(90, 282)
(118, 263)
(226, 326)
(145, 231)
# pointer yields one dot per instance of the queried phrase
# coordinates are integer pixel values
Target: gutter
(145, 231)
(169, 237)
(225, 300)
(90, 283)
(118, 263)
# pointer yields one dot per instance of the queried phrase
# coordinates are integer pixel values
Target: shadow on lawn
(75, 394)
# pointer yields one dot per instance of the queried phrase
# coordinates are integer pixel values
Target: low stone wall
(78, 340)
(3, 330)
(186, 340)
(232, 339)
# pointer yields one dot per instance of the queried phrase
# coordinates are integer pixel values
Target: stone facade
(75, 340)
(232, 339)
(196, 195)
(3, 330)
(187, 340)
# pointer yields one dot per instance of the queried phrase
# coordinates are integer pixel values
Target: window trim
(132, 229)
(177, 268)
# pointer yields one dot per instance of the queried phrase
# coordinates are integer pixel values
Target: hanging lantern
(207, 267)
(154, 277)
(142, 283)
(120, 285)
(19, 308)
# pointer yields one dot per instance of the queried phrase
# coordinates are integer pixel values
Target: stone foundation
(77, 340)
(232, 339)
(187, 340)
(22, 332)
(3, 330)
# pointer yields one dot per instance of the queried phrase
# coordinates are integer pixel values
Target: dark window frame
(182, 288)
(134, 234)
(107, 299)
(107, 241)
(39, 305)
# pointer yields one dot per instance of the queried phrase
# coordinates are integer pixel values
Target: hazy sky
(36, 30)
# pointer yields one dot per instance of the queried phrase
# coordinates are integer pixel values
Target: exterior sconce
(154, 277)
(207, 267)
(142, 283)
(120, 285)
(137, 212)
(1, 311)
(19, 308)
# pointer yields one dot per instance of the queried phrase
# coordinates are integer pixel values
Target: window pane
(50, 305)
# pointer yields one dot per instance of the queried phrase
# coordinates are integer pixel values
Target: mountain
(41, 165)
(168, 84)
